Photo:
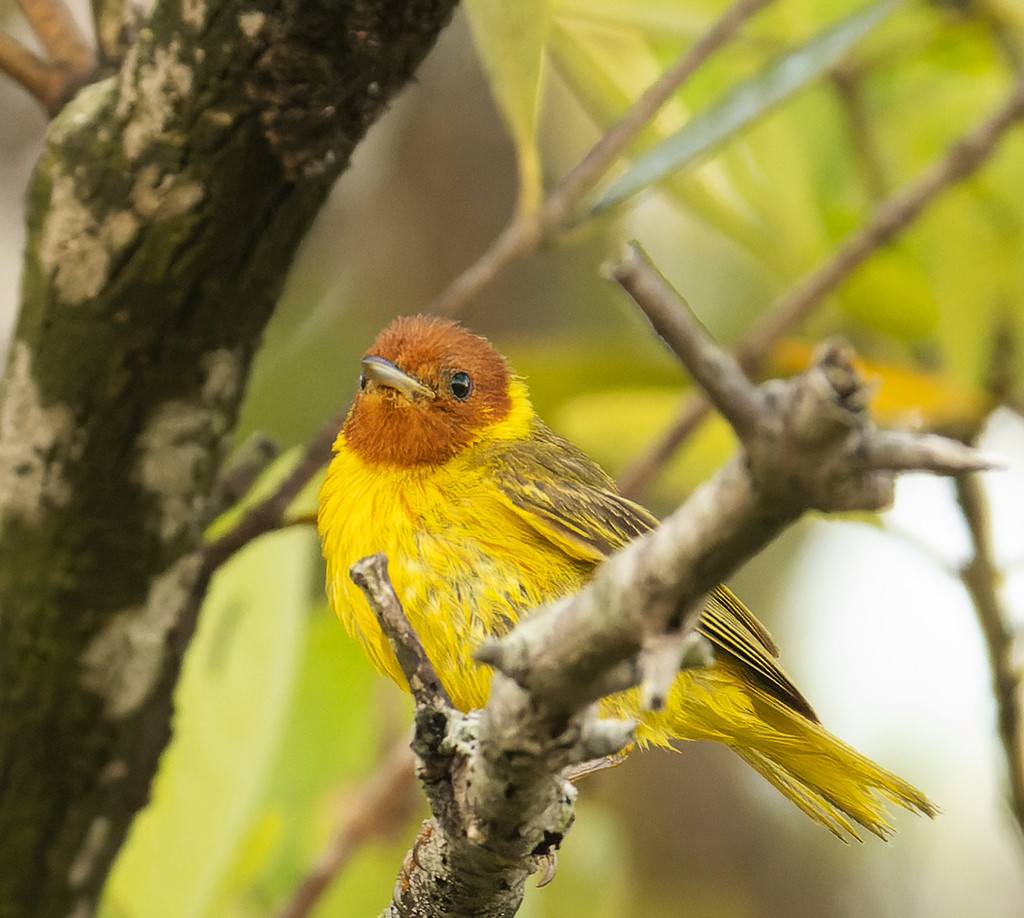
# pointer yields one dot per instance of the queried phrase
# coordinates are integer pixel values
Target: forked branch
(961, 159)
(496, 779)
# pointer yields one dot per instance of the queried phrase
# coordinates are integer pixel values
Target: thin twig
(586, 174)
(370, 574)
(70, 62)
(981, 577)
(60, 35)
(27, 69)
(962, 158)
(521, 236)
(266, 516)
(736, 398)
(269, 513)
(527, 231)
(382, 806)
(925, 452)
(847, 82)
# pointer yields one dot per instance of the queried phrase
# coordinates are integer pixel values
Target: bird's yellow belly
(462, 564)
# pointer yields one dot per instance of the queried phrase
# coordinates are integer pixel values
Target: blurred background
(280, 719)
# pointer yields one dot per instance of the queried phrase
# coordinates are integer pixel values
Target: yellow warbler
(484, 513)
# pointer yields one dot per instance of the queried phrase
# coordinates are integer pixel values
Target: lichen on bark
(163, 216)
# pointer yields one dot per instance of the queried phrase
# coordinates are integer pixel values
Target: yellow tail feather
(823, 776)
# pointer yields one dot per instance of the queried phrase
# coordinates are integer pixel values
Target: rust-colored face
(428, 389)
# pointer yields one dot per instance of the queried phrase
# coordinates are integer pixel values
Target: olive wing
(571, 501)
(566, 496)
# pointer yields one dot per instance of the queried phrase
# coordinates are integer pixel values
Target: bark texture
(163, 217)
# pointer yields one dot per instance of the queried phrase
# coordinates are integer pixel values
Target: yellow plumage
(486, 515)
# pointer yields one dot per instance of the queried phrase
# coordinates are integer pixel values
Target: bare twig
(981, 577)
(266, 516)
(71, 59)
(673, 320)
(370, 574)
(527, 231)
(27, 69)
(900, 451)
(382, 806)
(248, 462)
(961, 159)
(661, 659)
(585, 175)
(60, 35)
(269, 513)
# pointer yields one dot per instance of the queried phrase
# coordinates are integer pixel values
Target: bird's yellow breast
(463, 562)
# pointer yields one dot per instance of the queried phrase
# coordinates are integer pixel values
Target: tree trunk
(163, 217)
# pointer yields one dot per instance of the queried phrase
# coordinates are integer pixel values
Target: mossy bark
(163, 216)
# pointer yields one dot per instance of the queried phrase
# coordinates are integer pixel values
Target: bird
(484, 514)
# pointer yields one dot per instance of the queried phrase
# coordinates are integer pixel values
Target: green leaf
(510, 39)
(235, 688)
(268, 481)
(745, 103)
(607, 67)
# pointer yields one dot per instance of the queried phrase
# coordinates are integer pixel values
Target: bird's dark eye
(362, 381)
(460, 385)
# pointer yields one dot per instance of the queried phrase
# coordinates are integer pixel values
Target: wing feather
(573, 503)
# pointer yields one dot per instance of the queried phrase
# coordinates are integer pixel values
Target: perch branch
(497, 780)
(370, 574)
(812, 446)
(450, 870)
(962, 158)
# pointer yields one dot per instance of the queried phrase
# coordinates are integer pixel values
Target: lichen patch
(223, 369)
(89, 854)
(174, 453)
(124, 661)
(36, 440)
(150, 95)
(252, 23)
(193, 13)
(158, 195)
(177, 442)
(77, 250)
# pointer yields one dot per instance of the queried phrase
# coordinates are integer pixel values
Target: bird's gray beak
(381, 373)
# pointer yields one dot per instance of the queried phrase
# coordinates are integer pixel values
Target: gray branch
(496, 778)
